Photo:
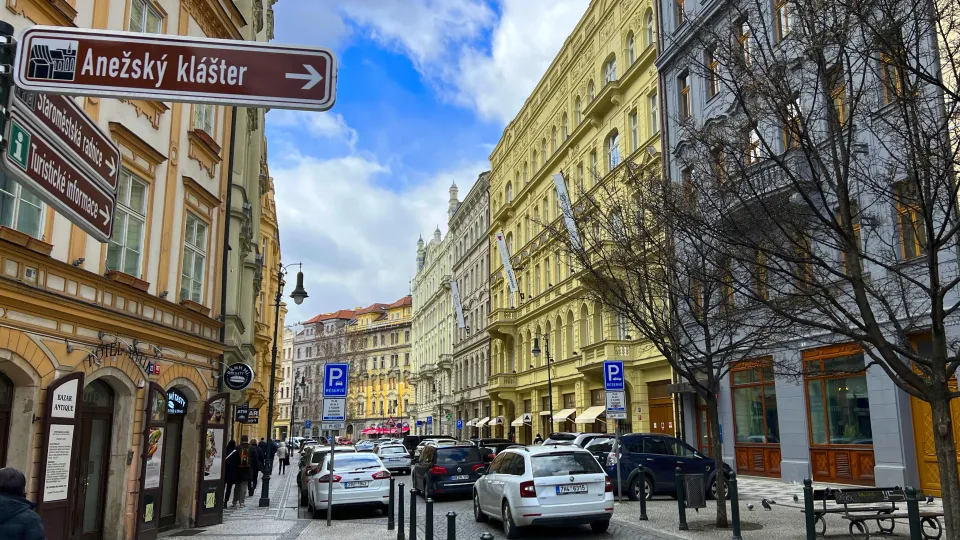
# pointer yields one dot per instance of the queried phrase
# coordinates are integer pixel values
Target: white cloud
(318, 124)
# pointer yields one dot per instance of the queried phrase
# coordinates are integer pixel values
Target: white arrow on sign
(312, 78)
(106, 216)
(112, 165)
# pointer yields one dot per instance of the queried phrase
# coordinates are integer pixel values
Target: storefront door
(6, 403)
(96, 422)
(661, 408)
(171, 471)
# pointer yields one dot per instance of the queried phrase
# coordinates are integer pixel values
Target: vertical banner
(564, 199)
(151, 464)
(457, 306)
(211, 456)
(56, 497)
(505, 258)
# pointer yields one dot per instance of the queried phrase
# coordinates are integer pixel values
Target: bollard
(681, 502)
(913, 513)
(486, 536)
(643, 495)
(808, 516)
(428, 521)
(413, 514)
(390, 510)
(400, 535)
(734, 504)
(451, 526)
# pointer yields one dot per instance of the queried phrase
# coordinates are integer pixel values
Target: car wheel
(712, 494)
(635, 487)
(478, 514)
(510, 528)
(600, 526)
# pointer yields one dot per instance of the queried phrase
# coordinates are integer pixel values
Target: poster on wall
(154, 457)
(215, 411)
(212, 454)
(59, 450)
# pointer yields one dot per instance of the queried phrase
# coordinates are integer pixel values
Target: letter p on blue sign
(613, 375)
(335, 380)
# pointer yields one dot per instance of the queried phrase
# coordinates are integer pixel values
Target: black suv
(447, 469)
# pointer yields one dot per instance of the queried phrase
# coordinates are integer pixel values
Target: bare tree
(829, 177)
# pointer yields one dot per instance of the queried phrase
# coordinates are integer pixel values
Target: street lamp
(298, 295)
(299, 382)
(536, 354)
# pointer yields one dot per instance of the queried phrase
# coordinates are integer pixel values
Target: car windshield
(564, 464)
(461, 454)
(353, 462)
(393, 450)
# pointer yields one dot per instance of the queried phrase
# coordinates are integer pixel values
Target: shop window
(20, 209)
(755, 403)
(838, 404)
(125, 247)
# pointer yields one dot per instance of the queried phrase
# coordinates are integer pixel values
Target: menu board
(59, 449)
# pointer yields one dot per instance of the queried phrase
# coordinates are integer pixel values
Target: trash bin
(695, 491)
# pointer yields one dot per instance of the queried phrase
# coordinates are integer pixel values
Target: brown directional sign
(78, 136)
(34, 161)
(77, 61)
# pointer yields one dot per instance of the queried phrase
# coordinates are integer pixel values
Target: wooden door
(93, 470)
(59, 456)
(923, 440)
(661, 408)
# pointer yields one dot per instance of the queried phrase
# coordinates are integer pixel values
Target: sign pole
(330, 484)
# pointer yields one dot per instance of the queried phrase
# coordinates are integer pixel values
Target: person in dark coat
(18, 521)
(256, 466)
(242, 462)
(266, 455)
(230, 470)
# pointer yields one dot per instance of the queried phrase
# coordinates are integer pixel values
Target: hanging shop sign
(176, 402)
(238, 376)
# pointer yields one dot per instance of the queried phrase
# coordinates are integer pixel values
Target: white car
(394, 457)
(544, 485)
(358, 479)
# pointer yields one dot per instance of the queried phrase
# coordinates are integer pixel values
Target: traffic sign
(459, 424)
(81, 61)
(613, 375)
(335, 380)
(73, 133)
(429, 420)
(334, 409)
(33, 159)
(616, 405)
(307, 424)
(333, 425)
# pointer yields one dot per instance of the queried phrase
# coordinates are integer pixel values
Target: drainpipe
(226, 248)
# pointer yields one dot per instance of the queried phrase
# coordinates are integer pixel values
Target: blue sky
(425, 89)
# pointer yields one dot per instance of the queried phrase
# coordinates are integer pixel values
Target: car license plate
(460, 477)
(348, 485)
(571, 488)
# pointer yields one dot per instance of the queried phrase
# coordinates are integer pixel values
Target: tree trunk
(946, 449)
(716, 449)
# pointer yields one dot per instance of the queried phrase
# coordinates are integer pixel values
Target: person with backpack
(229, 471)
(242, 463)
(18, 520)
(255, 466)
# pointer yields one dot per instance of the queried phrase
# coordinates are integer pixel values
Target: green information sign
(19, 149)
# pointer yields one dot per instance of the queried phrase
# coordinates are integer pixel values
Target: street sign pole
(613, 383)
(335, 384)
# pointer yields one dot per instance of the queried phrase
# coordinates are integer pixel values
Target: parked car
(447, 469)
(365, 446)
(394, 457)
(544, 485)
(358, 479)
(307, 442)
(489, 441)
(600, 447)
(560, 438)
(490, 450)
(435, 442)
(411, 442)
(312, 466)
(653, 458)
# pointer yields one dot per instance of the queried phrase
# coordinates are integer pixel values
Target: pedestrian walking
(230, 472)
(18, 521)
(538, 439)
(256, 461)
(266, 456)
(242, 462)
(283, 454)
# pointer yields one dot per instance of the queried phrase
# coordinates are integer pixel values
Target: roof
(405, 301)
(346, 314)
(373, 308)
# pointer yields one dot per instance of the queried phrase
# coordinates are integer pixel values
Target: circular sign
(238, 376)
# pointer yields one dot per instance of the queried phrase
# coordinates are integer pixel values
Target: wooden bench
(860, 505)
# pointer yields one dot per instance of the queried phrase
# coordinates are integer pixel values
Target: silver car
(394, 457)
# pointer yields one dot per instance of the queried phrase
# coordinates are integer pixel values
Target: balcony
(446, 361)
(592, 356)
(427, 370)
(501, 382)
(609, 97)
(501, 322)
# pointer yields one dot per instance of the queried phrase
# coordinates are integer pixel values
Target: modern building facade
(285, 383)
(132, 325)
(471, 344)
(433, 330)
(595, 108)
(321, 339)
(379, 353)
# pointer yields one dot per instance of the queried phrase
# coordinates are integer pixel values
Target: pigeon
(929, 499)
(750, 507)
(765, 504)
(795, 498)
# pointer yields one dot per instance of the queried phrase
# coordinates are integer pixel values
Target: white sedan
(395, 457)
(358, 479)
(544, 485)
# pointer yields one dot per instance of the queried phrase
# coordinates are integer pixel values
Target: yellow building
(595, 107)
(379, 343)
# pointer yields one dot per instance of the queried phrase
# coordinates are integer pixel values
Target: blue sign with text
(335, 380)
(459, 424)
(613, 376)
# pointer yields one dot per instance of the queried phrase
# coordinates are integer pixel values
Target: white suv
(544, 485)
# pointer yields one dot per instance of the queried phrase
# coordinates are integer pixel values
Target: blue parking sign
(459, 424)
(335, 380)
(429, 420)
(613, 375)
(307, 424)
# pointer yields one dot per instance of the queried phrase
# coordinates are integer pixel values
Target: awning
(590, 415)
(544, 413)
(497, 421)
(563, 415)
(472, 422)
(517, 422)
(483, 421)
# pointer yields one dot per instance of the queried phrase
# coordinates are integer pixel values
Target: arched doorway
(96, 426)
(172, 451)
(6, 405)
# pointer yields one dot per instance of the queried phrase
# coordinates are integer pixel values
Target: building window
(577, 111)
(760, 275)
(631, 49)
(743, 38)
(648, 24)
(194, 256)
(913, 236)
(565, 126)
(855, 214)
(792, 126)
(543, 152)
(590, 91)
(613, 150)
(653, 108)
(679, 12)
(718, 164)
(755, 403)
(594, 170)
(634, 131)
(509, 191)
(125, 247)
(553, 141)
(686, 107)
(838, 403)
(20, 209)
(610, 70)
(838, 95)
(713, 75)
(203, 117)
(579, 175)
(144, 17)
(784, 17)
(893, 78)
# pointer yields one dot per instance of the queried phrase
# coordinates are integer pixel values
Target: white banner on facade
(564, 199)
(457, 306)
(507, 267)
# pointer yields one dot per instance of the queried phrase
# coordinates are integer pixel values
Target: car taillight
(477, 467)
(608, 485)
(381, 475)
(528, 489)
(438, 470)
(326, 478)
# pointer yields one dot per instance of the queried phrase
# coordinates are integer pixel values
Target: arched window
(533, 160)
(509, 193)
(509, 242)
(577, 111)
(648, 24)
(597, 324)
(526, 173)
(610, 69)
(613, 150)
(584, 327)
(590, 91)
(565, 127)
(631, 49)
(543, 151)
(553, 143)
